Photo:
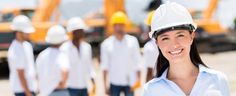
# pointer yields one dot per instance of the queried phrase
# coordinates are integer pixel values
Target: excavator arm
(208, 23)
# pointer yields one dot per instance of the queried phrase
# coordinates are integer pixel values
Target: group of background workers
(64, 68)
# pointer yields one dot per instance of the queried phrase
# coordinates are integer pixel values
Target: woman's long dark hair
(162, 63)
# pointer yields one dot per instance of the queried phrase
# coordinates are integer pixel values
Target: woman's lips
(176, 52)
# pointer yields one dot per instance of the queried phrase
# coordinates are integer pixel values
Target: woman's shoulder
(213, 73)
(216, 77)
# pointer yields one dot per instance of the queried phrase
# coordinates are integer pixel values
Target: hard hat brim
(56, 41)
(29, 30)
(26, 30)
(85, 28)
(153, 32)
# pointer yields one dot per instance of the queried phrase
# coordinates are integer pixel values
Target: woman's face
(175, 45)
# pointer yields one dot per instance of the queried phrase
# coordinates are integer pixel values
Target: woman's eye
(180, 35)
(164, 39)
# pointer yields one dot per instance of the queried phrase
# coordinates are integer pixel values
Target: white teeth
(175, 52)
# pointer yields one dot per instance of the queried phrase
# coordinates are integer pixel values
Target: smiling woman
(179, 68)
(177, 46)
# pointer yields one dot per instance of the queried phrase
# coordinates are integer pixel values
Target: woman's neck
(182, 70)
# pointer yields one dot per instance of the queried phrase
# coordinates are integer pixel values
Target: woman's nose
(175, 43)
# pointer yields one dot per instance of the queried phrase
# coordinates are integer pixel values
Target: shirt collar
(202, 69)
(164, 74)
(123, 39)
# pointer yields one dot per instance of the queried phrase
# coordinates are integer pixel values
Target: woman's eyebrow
(179, 32)
(164, 35)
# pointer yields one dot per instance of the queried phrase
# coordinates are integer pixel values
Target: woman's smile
(176, 52)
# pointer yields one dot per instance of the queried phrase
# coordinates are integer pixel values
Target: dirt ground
(224, 62)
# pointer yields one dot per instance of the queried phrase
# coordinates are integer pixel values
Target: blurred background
(216, 33)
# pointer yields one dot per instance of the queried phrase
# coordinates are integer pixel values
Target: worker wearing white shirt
(120, 58)
(179, 68)
(21, 59)
(80, 58)
(150, 51)
(53, 64)
(150, 54)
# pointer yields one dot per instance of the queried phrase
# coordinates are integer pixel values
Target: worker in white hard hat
(80, 58)
(53, 64)
(21, 59)
(179, 69)
(150, 51)
(120, 59)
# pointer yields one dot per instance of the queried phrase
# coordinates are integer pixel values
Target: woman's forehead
(173, 32)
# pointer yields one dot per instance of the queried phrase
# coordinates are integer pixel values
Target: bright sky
(17, 4)
(225, 12)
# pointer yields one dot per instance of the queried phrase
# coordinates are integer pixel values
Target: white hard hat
(170, 15)
(76, 23)
(23, 24)
(56, 35)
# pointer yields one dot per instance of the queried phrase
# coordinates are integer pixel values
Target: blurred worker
(80, 58)
(120, 58)
(179, 69)
(150, 51)
(53, 64)
(21, 58)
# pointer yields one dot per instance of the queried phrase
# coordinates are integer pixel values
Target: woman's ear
(156, 41)
(192, 36)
